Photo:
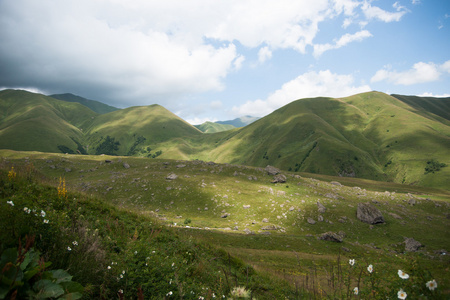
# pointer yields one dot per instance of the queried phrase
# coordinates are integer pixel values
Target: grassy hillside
(31, 121)
(239, 122)
(370, 135)
(210, 127)
(135, 127)
(237, 210)
(96, 106)
(428, 106)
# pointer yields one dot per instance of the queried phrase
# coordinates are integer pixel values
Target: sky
(209, 60)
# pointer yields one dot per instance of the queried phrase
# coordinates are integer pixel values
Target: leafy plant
(433, 166)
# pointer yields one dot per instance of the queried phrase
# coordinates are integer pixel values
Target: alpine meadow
(324, 198)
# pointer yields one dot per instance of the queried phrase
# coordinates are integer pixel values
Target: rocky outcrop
(332, 237)
(411, 245)
(272, 170)
(369, 214)
(279, 178)
(172, 176)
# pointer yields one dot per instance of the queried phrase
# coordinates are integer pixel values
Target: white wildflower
(432, 284)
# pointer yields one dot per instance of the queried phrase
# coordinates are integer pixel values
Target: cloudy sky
(221, 59)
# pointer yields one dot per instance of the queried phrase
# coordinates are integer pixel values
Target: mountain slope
(96, 106)
(137, 126)
(370, 135)
(239, 122)
(210, 127)
(31, 121)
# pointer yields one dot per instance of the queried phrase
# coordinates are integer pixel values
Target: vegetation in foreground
(132, 231)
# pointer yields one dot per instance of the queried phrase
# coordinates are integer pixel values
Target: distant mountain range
(371, 135)
(96, 106)
(212, 127)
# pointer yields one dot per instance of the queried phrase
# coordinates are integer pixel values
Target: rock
(368, 213)
(126, 166)
(265, 220)
(331, 196)
(172, 176)
(225, 215)
(272, 170)
(411, 245)
(68, 170)
(412, 201)
(336, 183)
(322, 209)
(291, 208)
(320, 218)
(108, 161)
(269, 227)
(180, 166)
(311, 221)
(395, 216)
(109, 188)
(248, 231)
(332, 237)
(279, 178)
(246, 206)
(236, 174)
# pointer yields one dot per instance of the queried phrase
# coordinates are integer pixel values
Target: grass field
(261, 228)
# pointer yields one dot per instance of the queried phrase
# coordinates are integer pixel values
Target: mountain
(404, 139)
(96, 106)
(210, 127)
(30, 121)
(239, 122)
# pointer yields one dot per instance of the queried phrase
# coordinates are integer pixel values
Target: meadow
(142, 228)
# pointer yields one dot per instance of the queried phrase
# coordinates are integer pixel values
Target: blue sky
(218, 60)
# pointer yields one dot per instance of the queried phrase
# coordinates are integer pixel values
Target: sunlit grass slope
(267, 225)
(211, 127)
(31, 121)
(141, 125)
(370, 135)
(96, 106)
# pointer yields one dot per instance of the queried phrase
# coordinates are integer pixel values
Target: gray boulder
(172, 176)
(332, 237)
(322, 209)
(411, 245)
(272, 170)
(126, 166)
(369, 214)
(279, 178)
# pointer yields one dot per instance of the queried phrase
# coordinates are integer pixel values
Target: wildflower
(432, 284)
(109, 268)
(240, 292)
(43, 214)
(135, 252)
(27, 210)
(201, 298)
(121, 276)
(173, 264)
(68, 248)
(370, 268)
(351, 262)
(75, 243)
(169, 293)
(401, 294)
(123, 272)
(10, 203)
(402, 274)
(355, 291)
(120, 291)
(45, 221)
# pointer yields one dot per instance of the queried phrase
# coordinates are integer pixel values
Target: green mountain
(373, 135)
(96, 106)
(210, 127)
(36, 122)
(239, 122)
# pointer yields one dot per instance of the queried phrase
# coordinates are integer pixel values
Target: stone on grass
(332, 237)
(322, 209)
(411, 245)
(311, 221)
(279, 178)
(126, 166)
(272, 170)
(369, 214)
(172, 176)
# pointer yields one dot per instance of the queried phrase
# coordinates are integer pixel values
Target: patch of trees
(109, 146)
(65, 149)
(433, 166)
(139, 140)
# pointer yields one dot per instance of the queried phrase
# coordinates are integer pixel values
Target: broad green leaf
(72, 287)
(61, 275)
(71, 296)
(47, 289)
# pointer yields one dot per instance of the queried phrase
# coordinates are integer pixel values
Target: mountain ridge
(370, 135)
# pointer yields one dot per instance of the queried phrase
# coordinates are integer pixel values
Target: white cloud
(199, 121)
(427, 94)
(319, 49)
(374, 12)
(264, 54)
(419, 73)
(310, 84)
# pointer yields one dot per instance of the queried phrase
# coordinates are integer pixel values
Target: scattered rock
(411, 245)
(272, 170)
(395, 216)
(248, 231)
(172, 176)
(336, 183)
(412, 201)
(331, 196)
(225, 215)
(265, 220)
(181, 166)
(269, 227)
(68, 170)
(291, 208)
(311, 221)
(236, 174)
(368, 213)
(246, 206)
(332, 237)
(126, 166)
(279, 178)
(322, 209)
(320, 218)
(109, 188)
(108, 161)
